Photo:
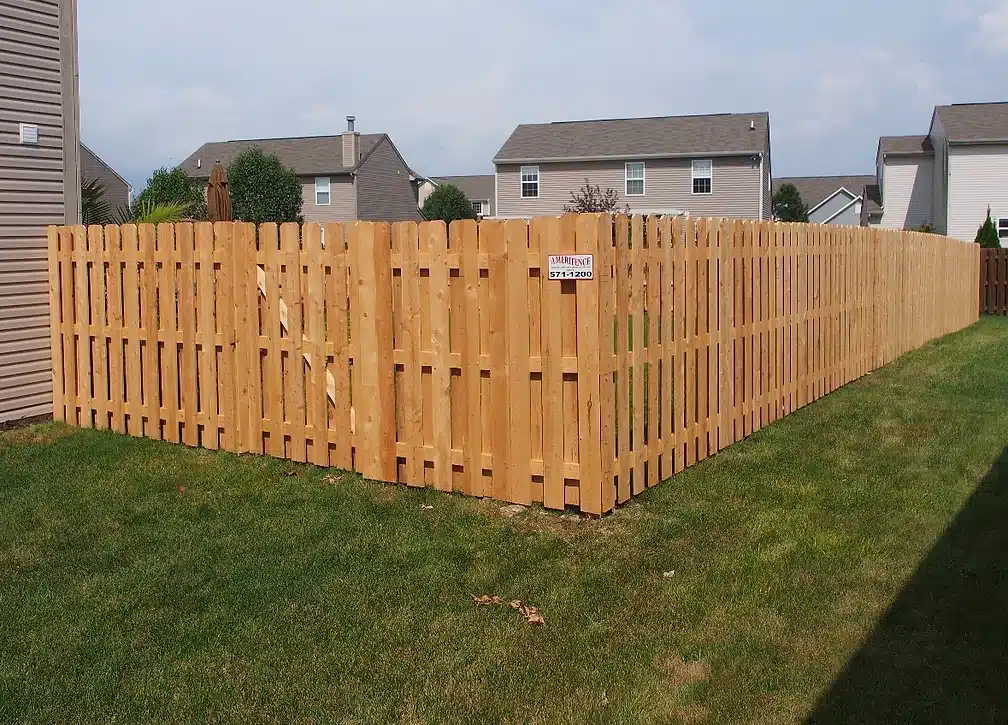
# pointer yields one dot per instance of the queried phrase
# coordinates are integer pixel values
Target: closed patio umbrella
(218, 199)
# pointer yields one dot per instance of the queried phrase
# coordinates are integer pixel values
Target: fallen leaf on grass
(291, 474)
(181, 489)
(669, 574)
(426, 508)
(531, 614)
(330, 479)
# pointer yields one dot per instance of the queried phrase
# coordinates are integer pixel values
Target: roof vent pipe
(350, 123)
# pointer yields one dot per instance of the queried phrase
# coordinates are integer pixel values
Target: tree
(169, 189)
(263, 189)
(592, 200)
(448, 203)
(95, 208)
(987, 235)
(788, 205)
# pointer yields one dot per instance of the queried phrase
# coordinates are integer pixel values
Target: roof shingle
(906, 145)
(975, 122)
(816, 189)
(476, 188)
(722, 134)
(307, 155)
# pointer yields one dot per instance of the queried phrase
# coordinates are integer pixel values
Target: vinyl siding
(668, 187)
(907, 197)
(834, 205)
(343, 200)
(849, 217)
(117, 191)
(939, 202)
(977, 178)
(384, 189)
(39, 186)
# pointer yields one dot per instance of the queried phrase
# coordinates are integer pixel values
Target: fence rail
(994, 281)
(446, 357)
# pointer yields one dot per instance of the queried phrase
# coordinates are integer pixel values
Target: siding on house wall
(907, 197)
(117, 191)
(834, 205)
(939, 202)
(343, 200)
(39, 186)
(668, 187)
(384, 189)
(977, 178)
(849, 217)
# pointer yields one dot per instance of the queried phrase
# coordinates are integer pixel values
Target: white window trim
(522, 182)
(1002, 223)
(484, 206)
(627, 179)
(327, 190)
(694, 177)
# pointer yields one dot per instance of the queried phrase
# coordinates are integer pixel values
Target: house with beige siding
(710, 165)
(479, 189)
(835, 200)
(904, 167)
(348, 177)
(39, 186)
(951, 176)
(118, 192)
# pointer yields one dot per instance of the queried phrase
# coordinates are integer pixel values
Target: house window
(529, 182)
(634, 172)
(703, 176)
(322, 196)
(1003, 230)
(481, 208)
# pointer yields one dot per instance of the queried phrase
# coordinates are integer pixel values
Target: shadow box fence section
(994, 281)
(447, 358)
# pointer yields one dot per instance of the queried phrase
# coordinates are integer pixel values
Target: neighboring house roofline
(854, 197)
(846, 206)
(414, 176)
(498, 161)
(103, 163)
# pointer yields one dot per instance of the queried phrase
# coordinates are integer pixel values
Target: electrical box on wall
(29, 134)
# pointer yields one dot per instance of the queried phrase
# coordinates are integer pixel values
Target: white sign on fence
(571, 266)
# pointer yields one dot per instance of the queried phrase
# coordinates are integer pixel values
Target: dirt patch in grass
(41, 434)
(681, 673)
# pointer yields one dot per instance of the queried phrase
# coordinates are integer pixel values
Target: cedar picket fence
(439, 357)
(994, 281)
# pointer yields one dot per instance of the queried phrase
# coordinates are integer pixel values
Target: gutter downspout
(496, 209)
(761, 187)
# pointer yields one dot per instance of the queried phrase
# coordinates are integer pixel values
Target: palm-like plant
(95, 208)
(146, 211)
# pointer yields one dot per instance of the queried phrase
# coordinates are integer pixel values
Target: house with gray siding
(709, 165)
(479, 189)
(118, 192)
(349, 177)
(39, 186)
(951, 176)
(831, 199)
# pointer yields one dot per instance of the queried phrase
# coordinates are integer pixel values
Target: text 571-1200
(570, 274)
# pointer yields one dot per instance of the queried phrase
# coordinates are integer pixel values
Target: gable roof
(307, 155)
(975, 122)
(815, 190)
(99, 160)
(905, 146)
(479, 187)
(871, 207)
(722, 134)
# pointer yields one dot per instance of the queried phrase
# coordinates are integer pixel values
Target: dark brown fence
(994, 281)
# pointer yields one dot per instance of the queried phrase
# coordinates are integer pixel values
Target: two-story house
(831, 199)
(711, 165)
(479, 189)
(950, 177)
(117, 191)
(39, 186)
(348, 177)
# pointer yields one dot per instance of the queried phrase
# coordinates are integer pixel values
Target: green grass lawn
(847, 564)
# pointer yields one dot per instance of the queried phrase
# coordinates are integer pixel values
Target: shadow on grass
(940, 653)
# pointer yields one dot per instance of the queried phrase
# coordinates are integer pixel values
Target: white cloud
(994, 28)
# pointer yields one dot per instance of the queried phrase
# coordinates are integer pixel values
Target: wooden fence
(994, 281)
(430, 357)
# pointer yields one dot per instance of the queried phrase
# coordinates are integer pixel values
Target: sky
(449, 80)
